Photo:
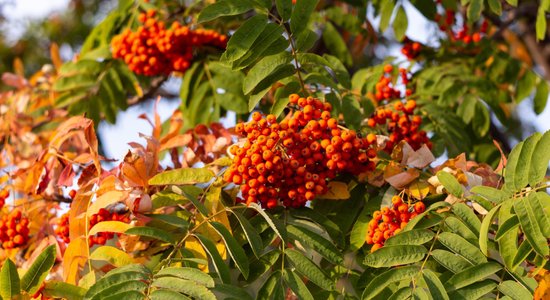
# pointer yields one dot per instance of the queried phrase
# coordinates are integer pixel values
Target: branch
(155, 86)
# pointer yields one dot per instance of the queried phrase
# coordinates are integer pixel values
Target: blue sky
(128, 127)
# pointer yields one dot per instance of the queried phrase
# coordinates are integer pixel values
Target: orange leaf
(105, 200)
(75, 257)
(56, 58)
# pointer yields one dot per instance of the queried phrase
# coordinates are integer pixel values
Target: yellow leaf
(105, 200)
(74, 258)
(193, 245)
(114, 256)
(419, 189)
(109, 226)
(336, 191)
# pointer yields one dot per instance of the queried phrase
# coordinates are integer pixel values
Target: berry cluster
(411, 49)
(401, 125)
(389, 221)
(386, 89)
(3, 195)
(62, 229)
(14, 230)
(104, 215)
(154, 49)
(293, 160)
(463, 33)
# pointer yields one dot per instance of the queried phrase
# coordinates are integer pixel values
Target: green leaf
(495, 6)
(113, 278)
(252, 236)
(521, 255)
(450, 261)
(530, 227)
(466, 109)
(113, 255)
(235, 250)
(389, 256)
(535, 201)
(312, 215)
(280, 232)
(468, 216)
(507, 244)
(241, 41)
(127, 295)
(514, 290)
(490, 193)
(187, 273)
(539, 160)
(297, 285)
(301, 14)
(77, 81)
(266, 291)
(182, 176)
(59, 289)
(411, 237)
(471, 275)
(457, 226)
(510, 169)
(386, 11)
(184, 286)
(122, 289)
(153, 233)
(381, 281)
(400, 23)
(307, 268)
(359, 230)
(10, 286)
(38, 271)
(540, 24)
(224, 8)
(270, 41)
(316, 242)
(450, 183)
(232, 291)
(481, 121)
(353, 115)
(167, 295)
(336, 44)
(522, 168)
(541, 97)
(436, 288)
(219, 264)
(284, 7)
(506, 226)
(484, 232)
(512, 2)
(264, 68)
(474, 291)
(474, 10)
(460, 246)
(525, 84)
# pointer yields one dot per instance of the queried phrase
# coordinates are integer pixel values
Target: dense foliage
(327, 187)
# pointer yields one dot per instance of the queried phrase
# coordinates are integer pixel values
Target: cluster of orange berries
(293, 160)
(62, 229)
(4, 194)
(388, 222)
(154, 49)
(401, 125)
(463, 34)
(14, 230)
(105, 215)
(101, 238)
(385, 89)
(411, 49)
